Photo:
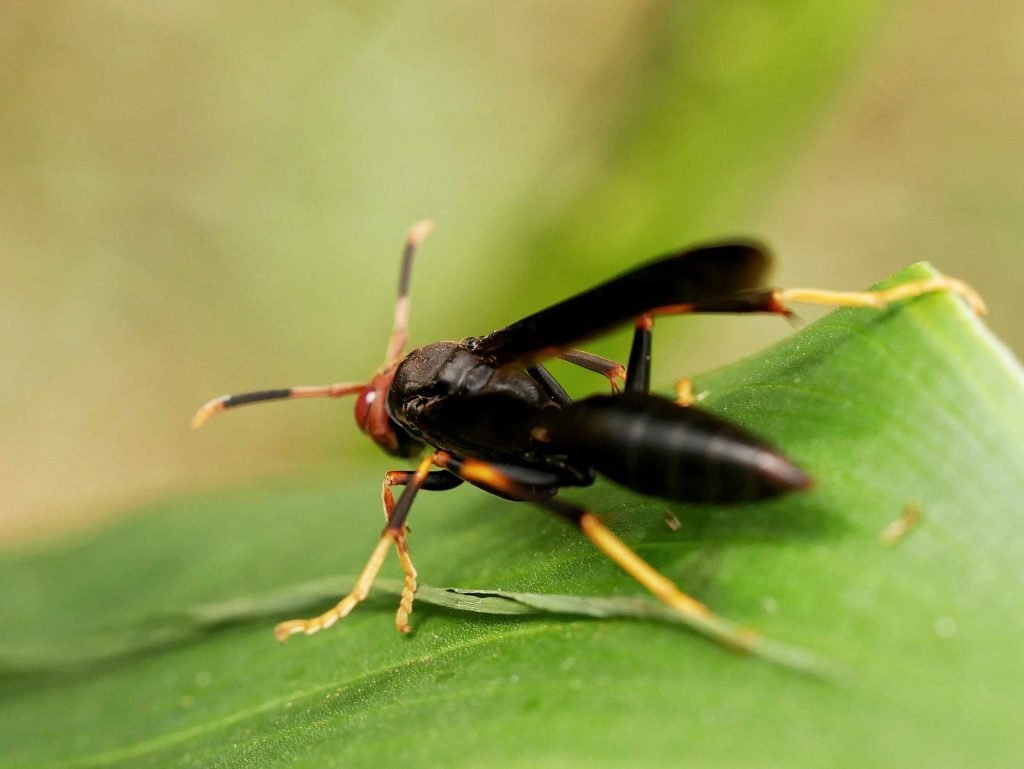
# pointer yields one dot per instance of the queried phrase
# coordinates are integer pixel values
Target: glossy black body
(460, 402)
(486, 398)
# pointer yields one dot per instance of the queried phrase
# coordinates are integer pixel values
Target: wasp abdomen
(654, 446)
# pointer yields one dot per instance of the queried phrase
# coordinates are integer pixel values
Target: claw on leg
(408, 587)
(285, 630)
(684, 392)
(402, 548)
(614, 372)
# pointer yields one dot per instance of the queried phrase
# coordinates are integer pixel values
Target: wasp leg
(496, 480)
(436, 481)
(883, 297)
(638, 370)
(615, 372)
(775, 301)
(554, 390)
(284, 630)
(364, 582)
(684, 392)
(902, 526)
(441, 480)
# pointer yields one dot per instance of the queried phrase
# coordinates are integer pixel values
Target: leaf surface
(916, 403)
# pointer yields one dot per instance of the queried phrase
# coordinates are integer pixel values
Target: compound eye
(365, 400)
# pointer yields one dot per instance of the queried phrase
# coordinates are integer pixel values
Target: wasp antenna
(400, 330)
(207, 410)
(217, 405)
(418, 232)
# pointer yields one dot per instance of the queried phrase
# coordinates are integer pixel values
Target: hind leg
(501, 481)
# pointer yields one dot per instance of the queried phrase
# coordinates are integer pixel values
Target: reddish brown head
(373, 419)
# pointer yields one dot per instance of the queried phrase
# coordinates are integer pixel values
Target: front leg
(436, 481)
(394, 533)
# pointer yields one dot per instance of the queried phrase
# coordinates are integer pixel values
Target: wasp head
(372, 416)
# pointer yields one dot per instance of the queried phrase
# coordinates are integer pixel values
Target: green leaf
(915, 403)
(190, 624)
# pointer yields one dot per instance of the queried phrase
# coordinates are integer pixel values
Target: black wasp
(486, 411)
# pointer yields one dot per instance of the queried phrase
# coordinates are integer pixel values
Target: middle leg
(393, 532)
(613, 371)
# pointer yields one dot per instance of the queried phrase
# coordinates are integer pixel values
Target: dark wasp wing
(692, 275)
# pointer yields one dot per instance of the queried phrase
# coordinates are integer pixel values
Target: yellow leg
(409, 586)
(661, 586)
(684, 392)
(665, 590)
(393, 534)
(402, 547)
(902, 526)
(884, 297)
(362, 588)
(672, 521)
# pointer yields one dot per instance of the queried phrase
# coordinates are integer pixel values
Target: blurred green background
(199, 198)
